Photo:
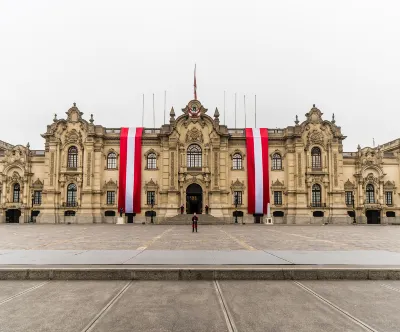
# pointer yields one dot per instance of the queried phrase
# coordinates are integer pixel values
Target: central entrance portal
(12, 216)
(373, 217)
(194, 199)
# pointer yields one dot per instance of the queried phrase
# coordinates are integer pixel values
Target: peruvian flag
(257, 170)
(130, 170)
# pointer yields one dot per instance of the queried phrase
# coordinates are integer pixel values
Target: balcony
(70, 204)
(318, 205)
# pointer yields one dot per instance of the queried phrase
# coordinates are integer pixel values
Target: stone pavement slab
(353, 257)
(374, 302)
(279, 306)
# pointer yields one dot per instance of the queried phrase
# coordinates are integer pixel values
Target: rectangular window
(349, 198)
(237, 197)
(37, 197)
(151, 197)
(389, 198)
(278, 197)
(110, 197)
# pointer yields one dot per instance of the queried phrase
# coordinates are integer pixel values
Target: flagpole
(244, 105)
(195, 83)
(255, 111)
(235, 110)
(154, 115)
(165, 104)
(224, 108)
(143, 112)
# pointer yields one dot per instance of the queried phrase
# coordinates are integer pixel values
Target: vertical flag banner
(130, 170)
(257, 170)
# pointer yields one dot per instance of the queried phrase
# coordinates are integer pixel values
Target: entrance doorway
(12, 215)
(194, 199)
(373, 217)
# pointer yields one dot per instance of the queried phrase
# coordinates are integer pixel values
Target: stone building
(198, 162)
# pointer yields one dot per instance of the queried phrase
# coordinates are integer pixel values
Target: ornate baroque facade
(196, 162)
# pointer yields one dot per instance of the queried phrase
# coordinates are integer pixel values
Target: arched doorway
(12, 215)
(194, 199)
(373, 216)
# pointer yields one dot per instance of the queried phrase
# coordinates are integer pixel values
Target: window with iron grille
(237, 161)
(389, 198)
(316, 195)
(72, 157)
(237, 197)
(276, 161)
(349, 198)
(16, 193)
(370, 194)
(151, 195)
(151, 161)
(112, 160)
(278, 197)
(110, 197)
(71, 194)
(194, 156)
(37, 197)
(316, 162)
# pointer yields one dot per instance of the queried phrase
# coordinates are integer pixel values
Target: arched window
(316, 162)
(194, 156)
(370, 194)
(71, 195)
(16, 192)
(276, 161)
(237, 161)
(151, 161)
(72, 157)
(112, 160)
(316, 195)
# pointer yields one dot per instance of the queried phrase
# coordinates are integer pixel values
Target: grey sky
(342, 55)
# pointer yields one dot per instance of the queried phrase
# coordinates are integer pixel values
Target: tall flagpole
(224, 108)
(195, 84)
(244, 105)
(165, 104)
(235, 110)
(255, 111)
(143, 112)
(154, 115)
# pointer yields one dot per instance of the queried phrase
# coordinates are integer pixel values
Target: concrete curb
(200, 273)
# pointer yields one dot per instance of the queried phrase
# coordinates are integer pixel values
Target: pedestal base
(268, 221)
(120, 220)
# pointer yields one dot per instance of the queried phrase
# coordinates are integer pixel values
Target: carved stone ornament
(389, 186)
(15, 178)
(370, 178)
(73, 137)
(110, 185)
(278, 184)
(316, 137)
(37, 184)
(237, 186)
(151, 185)
(349, 185)
(194, 135)
(15, 155)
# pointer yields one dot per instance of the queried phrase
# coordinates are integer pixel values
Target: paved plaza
(249, 306)
(180, 237)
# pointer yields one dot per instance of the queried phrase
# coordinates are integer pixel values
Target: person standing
(182, 208)
(194, 222)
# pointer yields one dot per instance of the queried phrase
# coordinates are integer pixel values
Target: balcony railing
(317, 204)
(70, 204)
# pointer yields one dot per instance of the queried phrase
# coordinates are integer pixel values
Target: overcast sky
(342, 55)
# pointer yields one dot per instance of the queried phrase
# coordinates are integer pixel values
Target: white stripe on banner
(258, 166)
(130, 170)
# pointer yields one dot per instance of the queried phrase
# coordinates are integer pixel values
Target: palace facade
(198, 163)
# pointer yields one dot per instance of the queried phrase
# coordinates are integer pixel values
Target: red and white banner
(130, 170)
(257, 170)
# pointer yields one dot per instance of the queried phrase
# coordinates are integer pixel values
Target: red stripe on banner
(137, 187)
(265, 159)
(122, 168)
(250, 171)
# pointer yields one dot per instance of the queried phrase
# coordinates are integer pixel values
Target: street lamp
(236, 212)
(152, 205)
(33, 200)
(354, 210)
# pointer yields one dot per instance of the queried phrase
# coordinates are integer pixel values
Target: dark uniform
(194, 223)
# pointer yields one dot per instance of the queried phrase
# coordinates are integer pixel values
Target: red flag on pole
(195, 85)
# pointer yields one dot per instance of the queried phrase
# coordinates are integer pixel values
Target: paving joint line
(23, 292)
(240, 242)
(106, 308)
(228, 316)
(154, 239)
(334, 306)
(391, 288)
(292, 263)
